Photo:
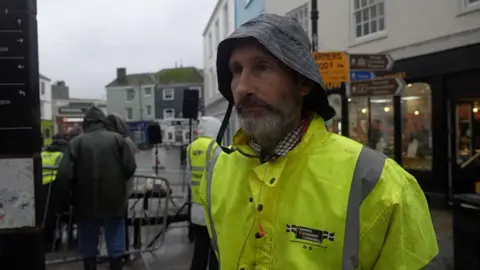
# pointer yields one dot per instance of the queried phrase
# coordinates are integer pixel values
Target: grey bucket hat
(285, 39)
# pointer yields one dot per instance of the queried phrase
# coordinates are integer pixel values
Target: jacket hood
(209, 126)
(284, 38)
(116, 124)
(58, 145)
(94, 119)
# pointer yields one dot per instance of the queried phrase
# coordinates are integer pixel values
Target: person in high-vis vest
(197, 155)
(290, 195)
(51, 158)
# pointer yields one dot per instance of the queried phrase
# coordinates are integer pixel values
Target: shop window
(179, 136)
(371, 122)
(468, 132)
(186, 136)
(334, 125)
(169, 136)
(416, 129)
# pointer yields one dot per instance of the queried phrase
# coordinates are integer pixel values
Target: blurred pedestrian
(51, 158)
(198, 155)
(96, 167)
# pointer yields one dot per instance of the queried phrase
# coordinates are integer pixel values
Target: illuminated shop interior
(371, 122)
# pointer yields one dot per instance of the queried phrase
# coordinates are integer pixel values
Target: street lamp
(314, 18)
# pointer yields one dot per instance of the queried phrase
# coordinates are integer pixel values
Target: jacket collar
(316, 133)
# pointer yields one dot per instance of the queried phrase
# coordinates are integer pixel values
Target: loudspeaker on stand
(191, 99)
(154, 133)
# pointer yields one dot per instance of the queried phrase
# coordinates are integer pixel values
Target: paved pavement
(176, 252)
(442, 220)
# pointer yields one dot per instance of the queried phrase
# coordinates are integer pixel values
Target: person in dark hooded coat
(96, 167)
(116, 124)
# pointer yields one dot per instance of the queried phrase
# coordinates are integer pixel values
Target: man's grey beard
(271, 128)
(266, 130)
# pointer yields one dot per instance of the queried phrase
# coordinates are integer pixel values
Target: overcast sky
(83, 41)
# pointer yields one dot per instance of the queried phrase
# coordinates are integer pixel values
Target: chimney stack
(121, 73)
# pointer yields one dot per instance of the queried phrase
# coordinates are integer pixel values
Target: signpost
(357, 71)
(361, 75)
(363, 81)
(371, 62)
(379, 87)
(21, 219)
(333, 68)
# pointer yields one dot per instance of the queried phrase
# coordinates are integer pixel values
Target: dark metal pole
(191, 130)
(189, 210)
(22, 246)
(140, 103)
(156, 159)
(314, 17)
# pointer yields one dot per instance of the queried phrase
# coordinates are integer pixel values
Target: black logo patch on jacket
(197, 152)
(309, 234)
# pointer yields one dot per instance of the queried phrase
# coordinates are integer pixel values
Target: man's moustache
(252, 101)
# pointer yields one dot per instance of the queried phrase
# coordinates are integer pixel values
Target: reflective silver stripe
(367, 173)
(189, 153)
(210, 166)
(195, 183)
(209, 151)
(49, 167)
(59, 159)
(197, 168)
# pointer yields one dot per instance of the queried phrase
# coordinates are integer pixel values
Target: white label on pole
(17, 199)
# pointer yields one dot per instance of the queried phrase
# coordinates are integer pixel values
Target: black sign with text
(19, 95)
(13, 20)
(13, 71)
(12, 44)
(15, 105)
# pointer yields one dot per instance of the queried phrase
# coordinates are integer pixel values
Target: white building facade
(219, 26)
(404, 28)
(431, 129)
(45, 87)
(46, 116)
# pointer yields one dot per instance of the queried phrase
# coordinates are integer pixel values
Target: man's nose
(244, 86)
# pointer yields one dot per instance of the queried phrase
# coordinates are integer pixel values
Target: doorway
(465, 150)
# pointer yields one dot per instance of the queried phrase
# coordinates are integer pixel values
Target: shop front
(67, 124)
(69, 119)
(47, 131)
(69, 113)
(432, 129)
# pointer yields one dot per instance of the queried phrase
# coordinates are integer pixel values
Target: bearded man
(290, 195)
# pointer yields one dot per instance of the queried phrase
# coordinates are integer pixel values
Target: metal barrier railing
(152, 207)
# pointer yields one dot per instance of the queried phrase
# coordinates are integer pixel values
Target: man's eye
(263, 66)
(236, 69)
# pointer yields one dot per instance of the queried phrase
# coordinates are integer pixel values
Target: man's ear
(305, 87)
